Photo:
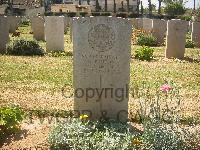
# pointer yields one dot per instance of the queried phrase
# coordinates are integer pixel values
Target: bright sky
(188, 4)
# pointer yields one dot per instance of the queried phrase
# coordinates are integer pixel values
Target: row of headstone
(176, 35)
(102, 52)
(4, 34)
(51, 29)
(158, 28)
(102, 49)
(196, 33)
(8, 24)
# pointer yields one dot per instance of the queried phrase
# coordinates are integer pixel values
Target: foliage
(197, 15)
(162, 136)
(162, 106)
(146, 40)
(25, 23)
(186, 17)
(82, 134)
(123, 15)
(96, 14)
(189, 44)
(159, 113)
(144, 53)
(10, 118)
(83, 14)
(174, 9)
(24, 48)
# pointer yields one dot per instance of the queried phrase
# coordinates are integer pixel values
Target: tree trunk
(106, 5)
(122, 3)
(138, 7)
(150, 8)
(127, 6)
(97, 5)
(159, 6)
(88, 2)
(142, 9)
(114, 6)
(194, 4)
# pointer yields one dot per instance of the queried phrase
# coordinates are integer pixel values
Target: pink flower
(165, 88)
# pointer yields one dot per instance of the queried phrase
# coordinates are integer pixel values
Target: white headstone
(176, 37)
(37, 24)
(196, 33)
(54, 33)
(4, 34)
(147, 24)
(13, 23)
(102, 50)
(139, 23)
(159, 30)
(134, 22)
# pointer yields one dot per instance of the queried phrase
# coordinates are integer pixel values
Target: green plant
(174, 8)
(25, 23)
(83, 14)
(105, 14)
(71, 14)
(24, 48)
(10, 117)
(185, 17)
(162, 136)
(146, 40)
(79, 134)
(144, 53)
(189, 44)
(159, 113)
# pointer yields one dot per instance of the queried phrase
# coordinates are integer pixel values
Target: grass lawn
(36, 82)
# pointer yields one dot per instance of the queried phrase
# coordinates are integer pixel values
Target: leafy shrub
(123, 15)
(186, 18)
(25, 23)
(24, 48)
(133, 15)
(189, 44)
(71, 14)
(106, 14)
(174, 9)
(161, 136)
(10, 118)
(78, 134)
(144, 53)
(96, 14)
(146, 40)
(197, 14)
(83, 14)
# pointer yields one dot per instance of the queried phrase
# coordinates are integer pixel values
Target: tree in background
(106, 5)
(159, 6)
(114, 6)
(142, 8)
(150, 7)
(138, 6)
(174, 7)
(127, 5)
(88, 2)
